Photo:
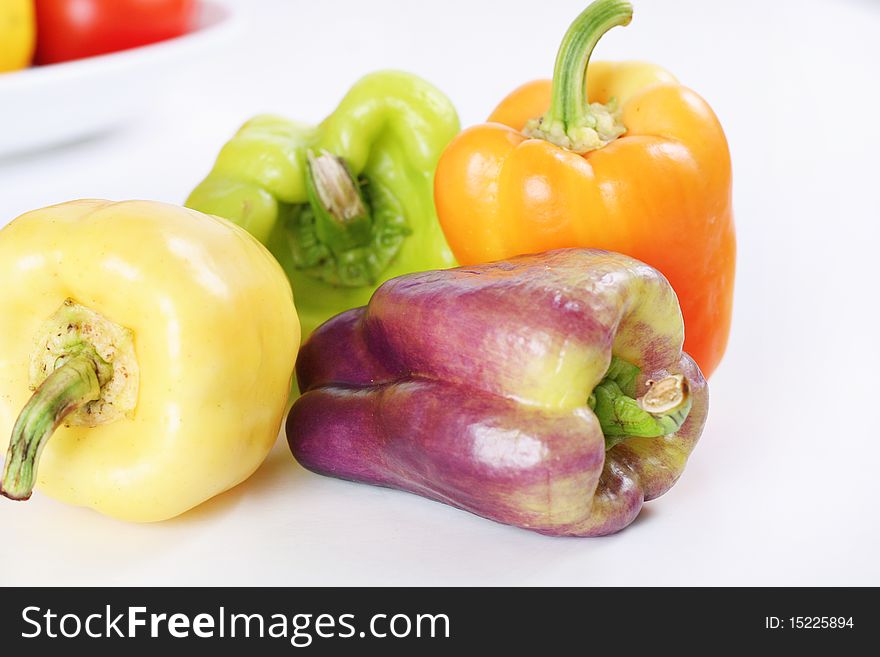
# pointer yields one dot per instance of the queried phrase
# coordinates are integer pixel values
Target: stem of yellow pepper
(572, 122)
(73, 384)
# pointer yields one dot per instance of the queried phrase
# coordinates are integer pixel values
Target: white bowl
(46, 105)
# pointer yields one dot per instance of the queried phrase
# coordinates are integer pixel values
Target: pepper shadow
(279, 470)
(646, 515)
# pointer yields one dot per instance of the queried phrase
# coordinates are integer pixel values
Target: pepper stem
(572, 122)
(342, 216)
(351, 228)
(73, 384)
(659, 412)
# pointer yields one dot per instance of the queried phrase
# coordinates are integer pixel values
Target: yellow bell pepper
(162, 339)
(17, 34)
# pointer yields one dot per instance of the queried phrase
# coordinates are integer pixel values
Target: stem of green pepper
(659, 412)
(342, 216)
(73, 384)
(572, 122)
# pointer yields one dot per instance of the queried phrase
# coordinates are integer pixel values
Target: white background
(782, 487)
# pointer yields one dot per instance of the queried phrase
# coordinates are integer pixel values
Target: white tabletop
(782, 488)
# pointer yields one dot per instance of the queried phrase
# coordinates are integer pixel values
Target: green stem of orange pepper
(572, 122)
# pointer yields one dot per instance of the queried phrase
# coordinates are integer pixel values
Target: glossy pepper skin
(17, 34)
(475, 387)
(161, 341)
(381, 146)
(660, 191)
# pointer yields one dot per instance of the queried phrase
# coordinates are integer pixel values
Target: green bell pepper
(344, 205)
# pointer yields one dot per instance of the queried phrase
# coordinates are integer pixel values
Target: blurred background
(781, 489)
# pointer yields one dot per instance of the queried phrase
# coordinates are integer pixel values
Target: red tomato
(73, 29)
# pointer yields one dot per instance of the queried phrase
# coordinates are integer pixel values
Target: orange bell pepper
(643, 169)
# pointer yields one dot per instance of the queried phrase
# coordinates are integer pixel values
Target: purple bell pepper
(547, 391)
